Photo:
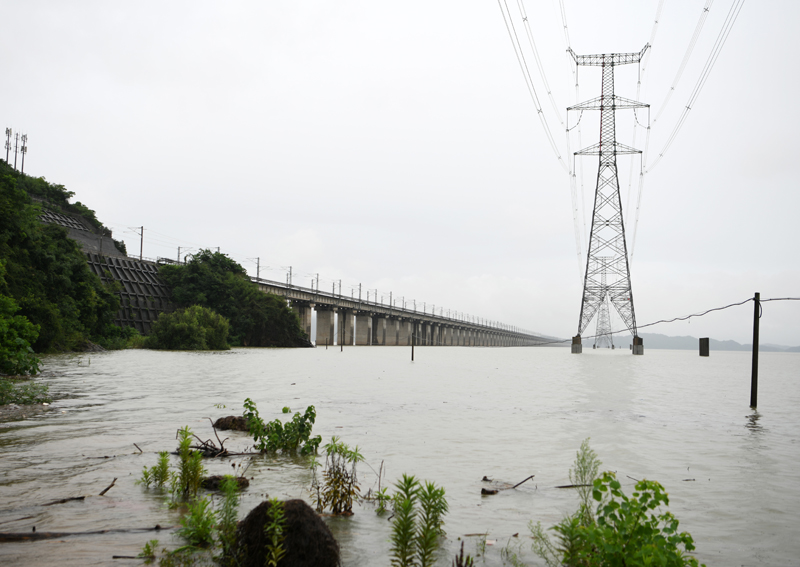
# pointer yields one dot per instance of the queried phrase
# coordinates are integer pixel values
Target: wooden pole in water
(413, 340)
(754, 372)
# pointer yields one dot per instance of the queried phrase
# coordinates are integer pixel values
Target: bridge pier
(325, 326)
(363, 329)
(404, 331)
(346, 327)
(303, 311)
(379, 331)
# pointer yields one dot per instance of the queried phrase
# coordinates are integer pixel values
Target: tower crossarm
(602, 59)
(613, 102)
(600, 149)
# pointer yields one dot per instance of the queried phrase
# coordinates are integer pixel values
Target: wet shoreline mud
(17, 412)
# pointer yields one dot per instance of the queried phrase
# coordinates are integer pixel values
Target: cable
(512, 34)
(727, 26)
(687, 55)
(524, 16)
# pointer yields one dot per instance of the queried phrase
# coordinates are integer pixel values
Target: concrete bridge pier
(392, 328)
(404, 331)
(325, 326)
(304, 311)
(379, 331)
(346, 328)
(363, 329)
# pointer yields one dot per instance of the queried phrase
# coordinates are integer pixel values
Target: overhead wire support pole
(607, 264)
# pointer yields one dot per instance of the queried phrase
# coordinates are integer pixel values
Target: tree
(193, 328)
(214, 280)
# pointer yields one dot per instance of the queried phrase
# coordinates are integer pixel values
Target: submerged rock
(232, 423)
(308, 540)
(214, 482)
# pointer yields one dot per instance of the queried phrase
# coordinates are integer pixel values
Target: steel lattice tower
(607, 269)
(603, 336)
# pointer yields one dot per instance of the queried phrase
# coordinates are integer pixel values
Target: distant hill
(653, 340)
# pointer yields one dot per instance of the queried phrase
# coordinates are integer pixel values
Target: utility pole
(179, 254)
(258, 268)
(16, 144)
(141, 244)
(607, 237)
(8, 142)
(317, 282)
(24, 150)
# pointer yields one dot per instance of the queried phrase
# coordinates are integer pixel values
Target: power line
(523, 65)
(727, 26)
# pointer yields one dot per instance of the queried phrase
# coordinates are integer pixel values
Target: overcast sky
(395, 144)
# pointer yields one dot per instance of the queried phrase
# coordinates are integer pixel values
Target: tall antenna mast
(607, 268)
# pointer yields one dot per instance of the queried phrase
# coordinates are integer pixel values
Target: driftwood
(490, 491)
(573, 485)
(107, 488)
(63, 500)
(37, 536)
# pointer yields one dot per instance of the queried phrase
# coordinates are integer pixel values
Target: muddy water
(453, 416)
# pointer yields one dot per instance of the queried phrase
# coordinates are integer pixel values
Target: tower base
(638, 345)
(577, 346)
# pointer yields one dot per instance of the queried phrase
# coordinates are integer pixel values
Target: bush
(17, 334)
(624, 531)
(215, 281)
(276, 436)
(23, 393)
(194, 328)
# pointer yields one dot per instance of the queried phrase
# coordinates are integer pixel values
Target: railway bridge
(352, 321)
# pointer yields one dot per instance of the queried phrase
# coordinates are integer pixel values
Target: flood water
(453, 416)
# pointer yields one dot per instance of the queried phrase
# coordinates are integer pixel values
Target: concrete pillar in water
(379, 325)
(346, 327)
(404, 332)
(704, 346)
(303, 311)
(391, 331)
(577, 345)
(363, 329)
(325, 327)
(638, 345)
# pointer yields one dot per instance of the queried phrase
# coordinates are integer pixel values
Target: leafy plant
(198, 524)
(193, 328)
(227, 514)
(417, 523)
(382, 497)
(624, 531)
(274, 529)
(583, 474)
(23, 392)
(341, 480)
(276, 436)
(186, 482)
(158, 474)
(461, 561)
(148, 552)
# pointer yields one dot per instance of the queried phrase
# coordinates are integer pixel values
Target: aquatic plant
(23, 392)
(340, 478)
(186, 481)
(629, 531)
(274, 532)
(227, 515)
(582, 475)
(286, 437)
(158, 474)
(148, 552)
(198, 523)
(461, 561)
(417, 523)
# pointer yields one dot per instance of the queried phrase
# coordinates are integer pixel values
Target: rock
(308, 541)
(231, 422)
(488, 491)
(213, 482)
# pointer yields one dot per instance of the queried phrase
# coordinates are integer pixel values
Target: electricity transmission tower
(603, 336)
(607, 269)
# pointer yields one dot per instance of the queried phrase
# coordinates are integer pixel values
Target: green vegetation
(623, 531)
(46, 276)
(417, 523)
(215, 281)
(23, 392)
(276, 436)
(193, 328)
(341, 481)
(16, 336)
(198, 524)
(227, 516)
(157, 475)
(274, 531)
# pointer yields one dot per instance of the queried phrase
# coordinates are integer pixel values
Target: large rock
(231, 422)
(308, 541)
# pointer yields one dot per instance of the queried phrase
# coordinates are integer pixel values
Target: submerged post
(704, 346)
(754, 372)
(413, 341)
